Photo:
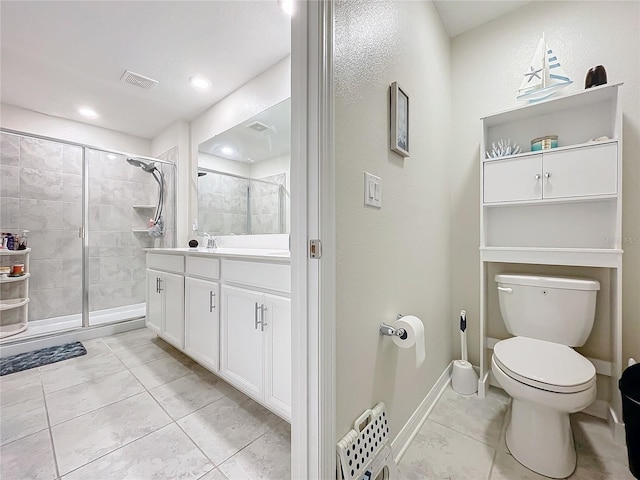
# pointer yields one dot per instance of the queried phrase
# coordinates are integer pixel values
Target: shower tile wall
(265, 205)
(41, 191)
(222, 201)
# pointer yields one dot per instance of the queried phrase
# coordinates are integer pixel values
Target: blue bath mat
(37, 358)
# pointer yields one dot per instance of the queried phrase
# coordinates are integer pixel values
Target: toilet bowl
(539, 432)
(546, 378)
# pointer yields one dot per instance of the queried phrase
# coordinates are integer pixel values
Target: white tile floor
(463, 438)
(135, 408)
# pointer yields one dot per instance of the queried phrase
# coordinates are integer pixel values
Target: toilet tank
(555, 309)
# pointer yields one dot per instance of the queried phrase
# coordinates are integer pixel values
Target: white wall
(487, 63)
(16, 118)
(273, 166)
(394, 260)
(224, 165)
(266, 90)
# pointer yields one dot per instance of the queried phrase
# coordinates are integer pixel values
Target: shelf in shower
(13, 303)
(144, 207)
(138, 230)
(5, 252)
(14, 279)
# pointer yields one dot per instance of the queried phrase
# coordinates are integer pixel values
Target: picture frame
(399, 131)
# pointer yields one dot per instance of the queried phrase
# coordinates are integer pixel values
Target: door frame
(312, 217)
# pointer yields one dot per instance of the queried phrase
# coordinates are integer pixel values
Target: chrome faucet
(211, 241)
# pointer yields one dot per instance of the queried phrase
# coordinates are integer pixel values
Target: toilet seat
(544, 365)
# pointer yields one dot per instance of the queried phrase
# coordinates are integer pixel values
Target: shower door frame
(84, 229)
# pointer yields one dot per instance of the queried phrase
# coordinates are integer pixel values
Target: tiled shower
(41, 191)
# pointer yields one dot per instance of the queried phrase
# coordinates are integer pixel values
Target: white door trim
(312, 217)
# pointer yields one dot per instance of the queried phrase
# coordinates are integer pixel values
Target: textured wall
(396, 259)
(486, 67)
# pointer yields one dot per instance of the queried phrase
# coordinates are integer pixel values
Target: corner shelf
(17, 287)
(14, 279)
(13, 329)
(143, 207)
(8, 253)
(12, 303)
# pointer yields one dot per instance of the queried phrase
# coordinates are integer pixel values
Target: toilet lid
(545, 365)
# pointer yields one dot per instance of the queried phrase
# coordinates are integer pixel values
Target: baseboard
(404, 438)
(616, 426)
(79, 334)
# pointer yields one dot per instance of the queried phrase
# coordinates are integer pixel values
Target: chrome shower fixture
(150, 167)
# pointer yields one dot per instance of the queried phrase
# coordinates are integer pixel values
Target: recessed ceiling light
(200, 82)
(227, 150)
(87, 112)
(286, 6)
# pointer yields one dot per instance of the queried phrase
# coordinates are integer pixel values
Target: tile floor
(463, 438)
(135, 408)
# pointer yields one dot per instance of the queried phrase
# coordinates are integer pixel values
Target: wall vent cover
(258, 126)
(138, 80)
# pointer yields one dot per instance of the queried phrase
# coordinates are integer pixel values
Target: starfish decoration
(533, 73)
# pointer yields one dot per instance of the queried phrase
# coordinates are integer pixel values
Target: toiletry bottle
(10, 242)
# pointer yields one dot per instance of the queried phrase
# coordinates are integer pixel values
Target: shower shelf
(144, 207)
(4, 252)
(13, 303)
(14, 279)
(140, 230)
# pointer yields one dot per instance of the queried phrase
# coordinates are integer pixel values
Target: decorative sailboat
(544, 77)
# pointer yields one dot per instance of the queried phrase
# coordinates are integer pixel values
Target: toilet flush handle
(505, 289)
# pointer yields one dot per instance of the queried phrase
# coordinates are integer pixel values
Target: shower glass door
(123, 220)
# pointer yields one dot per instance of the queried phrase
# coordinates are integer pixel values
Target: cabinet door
(579, 172)
(516, 179)
(172, 288)
(154, 301)
(241, 346)
(278, 349)
(202, 321)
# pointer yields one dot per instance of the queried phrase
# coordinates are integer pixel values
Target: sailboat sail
(544, 77)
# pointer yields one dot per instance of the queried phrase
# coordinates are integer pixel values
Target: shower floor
(68, 322)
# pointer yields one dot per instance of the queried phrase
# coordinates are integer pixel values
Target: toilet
(537, 367)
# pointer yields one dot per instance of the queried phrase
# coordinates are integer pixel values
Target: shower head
(136, 163)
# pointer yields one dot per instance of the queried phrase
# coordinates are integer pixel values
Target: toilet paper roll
(415, 336)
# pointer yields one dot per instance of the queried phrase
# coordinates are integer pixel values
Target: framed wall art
(399, 120)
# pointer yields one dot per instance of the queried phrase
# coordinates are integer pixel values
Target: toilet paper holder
(390, 331)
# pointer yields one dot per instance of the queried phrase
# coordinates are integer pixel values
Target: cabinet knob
(547, 174)
(537, 176)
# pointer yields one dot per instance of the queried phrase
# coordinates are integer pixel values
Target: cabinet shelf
(552, 201)
(592, 257)
(9, 304)
(14, 279)
(8, 253)
(550, 150)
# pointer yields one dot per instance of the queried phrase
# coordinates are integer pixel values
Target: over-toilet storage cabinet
(560, 207)
(230, 315)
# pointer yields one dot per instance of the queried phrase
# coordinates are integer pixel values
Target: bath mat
(37, 358)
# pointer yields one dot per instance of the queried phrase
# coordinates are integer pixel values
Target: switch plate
(372, 190)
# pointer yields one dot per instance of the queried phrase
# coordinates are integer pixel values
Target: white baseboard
(404, 438)
(79, 334)
(616, 426)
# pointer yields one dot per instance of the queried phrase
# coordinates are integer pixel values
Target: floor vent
(138, 80)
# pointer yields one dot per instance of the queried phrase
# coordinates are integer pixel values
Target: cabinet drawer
(167, 263)
(578, 172)
(203, 267)
(511, 180)
(271, 276)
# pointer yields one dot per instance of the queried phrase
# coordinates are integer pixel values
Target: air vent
(258, 126)
(138, 80)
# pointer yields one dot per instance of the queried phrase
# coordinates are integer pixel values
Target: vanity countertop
(227, 252)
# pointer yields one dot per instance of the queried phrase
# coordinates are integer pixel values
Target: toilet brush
(464, 379)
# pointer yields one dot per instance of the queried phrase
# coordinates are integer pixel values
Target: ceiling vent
(258, 126)
(138, 80)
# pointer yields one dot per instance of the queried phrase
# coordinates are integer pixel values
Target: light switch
(372, 190)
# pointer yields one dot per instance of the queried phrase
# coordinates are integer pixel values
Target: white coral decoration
(503, 149)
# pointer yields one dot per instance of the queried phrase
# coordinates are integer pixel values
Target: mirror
(243, 176)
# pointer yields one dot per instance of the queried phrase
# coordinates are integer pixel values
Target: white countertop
(228, 252)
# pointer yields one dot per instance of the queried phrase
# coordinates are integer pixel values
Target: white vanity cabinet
(231, 314)
(165, 306)
(202, 311)
(255, 330)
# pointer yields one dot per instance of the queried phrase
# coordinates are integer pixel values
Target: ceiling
(58, 56)
(459, 16)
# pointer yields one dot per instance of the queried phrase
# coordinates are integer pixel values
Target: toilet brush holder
(464, 378)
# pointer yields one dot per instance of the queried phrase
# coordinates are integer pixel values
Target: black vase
(595, 76)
